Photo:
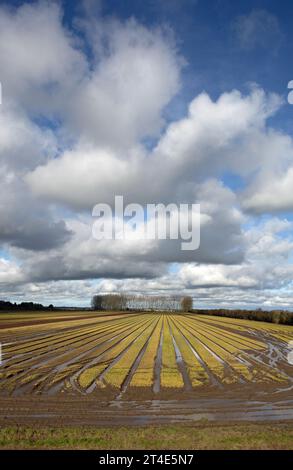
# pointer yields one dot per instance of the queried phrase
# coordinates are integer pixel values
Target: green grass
(253, 436)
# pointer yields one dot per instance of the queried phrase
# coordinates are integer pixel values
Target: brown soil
(140, 407)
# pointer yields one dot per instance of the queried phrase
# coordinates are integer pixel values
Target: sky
(159, 101)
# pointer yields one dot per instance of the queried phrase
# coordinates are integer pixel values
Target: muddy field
(129, 368)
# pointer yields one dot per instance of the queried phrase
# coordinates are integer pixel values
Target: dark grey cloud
(55, 268)
(35, 234)
(25, 222)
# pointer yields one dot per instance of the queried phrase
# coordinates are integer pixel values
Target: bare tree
(114, 302)
(118, 301)
(186, 304)
(153, 302)
(97, 302)
(109, 302)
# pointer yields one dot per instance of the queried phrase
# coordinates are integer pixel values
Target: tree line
(120, 302)
(282, 317)
(23, 306)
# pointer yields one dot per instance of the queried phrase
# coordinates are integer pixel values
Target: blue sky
(205, 36)
(159, 101)
(204, 30)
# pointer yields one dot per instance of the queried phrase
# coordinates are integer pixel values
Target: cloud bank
(84, 118)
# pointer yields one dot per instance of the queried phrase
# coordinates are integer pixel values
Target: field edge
(177, 436)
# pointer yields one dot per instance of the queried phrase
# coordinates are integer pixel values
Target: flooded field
(142, 368)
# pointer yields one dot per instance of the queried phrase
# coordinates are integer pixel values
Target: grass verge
(246, 436)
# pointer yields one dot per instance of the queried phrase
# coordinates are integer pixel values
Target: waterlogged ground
(143, 368)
